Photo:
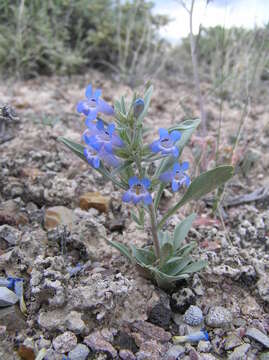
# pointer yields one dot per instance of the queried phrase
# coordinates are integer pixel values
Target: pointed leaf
(202, 185)
(178, 266)
(166, 251)
(143, 256)
(194, 267)
(122, 248)
(182, 230)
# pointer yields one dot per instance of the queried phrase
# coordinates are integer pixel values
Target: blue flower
(138, 107)
(93, 104)
(166, 143)
(94, 157)
(138, 191)
(98, 136)
(177, 176)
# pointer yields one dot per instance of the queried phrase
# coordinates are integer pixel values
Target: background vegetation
(67, 37)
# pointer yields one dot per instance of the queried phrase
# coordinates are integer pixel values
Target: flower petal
(176, 168)
(133, 181)
(175, 135)
(96, 162)
(146, 183)
(175, 185)
(104, 107)
(88, 91)
(166, 176)
(184, 166)
(155, 146)
(97, 94)
(100, 125)
(92, 114)
(163, 133)
(187, 181)
(127, 196)
(147, 199)
(175, 151)
(82, 107)
(111, 129)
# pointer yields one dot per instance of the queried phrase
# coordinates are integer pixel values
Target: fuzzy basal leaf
(182, 230)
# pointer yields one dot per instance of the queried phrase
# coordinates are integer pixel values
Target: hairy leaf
(182, 230)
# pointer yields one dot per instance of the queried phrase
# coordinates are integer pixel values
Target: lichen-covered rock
(74, 322)
(160, 315)
(151, 331)
(96, 342)
(182, 299)
(193, 316)
(219, 317)
(65, 342)
(239, 353)
(9, 236)
(263, 288)
(80, 352)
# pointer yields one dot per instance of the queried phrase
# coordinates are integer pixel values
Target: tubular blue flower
(94, 157)
(138, 107)
(166, 143)
(93, 104)
(177, 176)
(138, 191)
(98, 136)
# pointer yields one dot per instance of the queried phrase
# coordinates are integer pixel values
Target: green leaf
(186, 249)
(182, 230)
(195, 266)
(166, 252)
(123, 105)
(202, 185)
(187, 128)
(179, 266)
(171, 264)
(78, 149)
(147, 99)
(122, 248)
(144, 257)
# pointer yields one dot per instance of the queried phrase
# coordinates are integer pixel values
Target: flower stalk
(153, 220)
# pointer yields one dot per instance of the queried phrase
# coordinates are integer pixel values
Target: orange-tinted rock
(94, 200)
(58, 215)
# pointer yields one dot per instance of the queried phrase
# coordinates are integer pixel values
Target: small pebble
(257, 335)
(193, 316)
(80, 352)
(204, 346)
(65, 342)
(219, 317)
(7, 297)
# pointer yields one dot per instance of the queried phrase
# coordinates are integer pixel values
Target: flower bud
(138, 107)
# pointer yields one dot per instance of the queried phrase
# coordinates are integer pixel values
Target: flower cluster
(100, 140)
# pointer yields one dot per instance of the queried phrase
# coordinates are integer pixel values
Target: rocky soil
(83, 300)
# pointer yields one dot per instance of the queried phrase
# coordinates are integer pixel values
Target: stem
(156, 243)
(193, 44)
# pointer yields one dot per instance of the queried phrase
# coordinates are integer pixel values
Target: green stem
(156, 243)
